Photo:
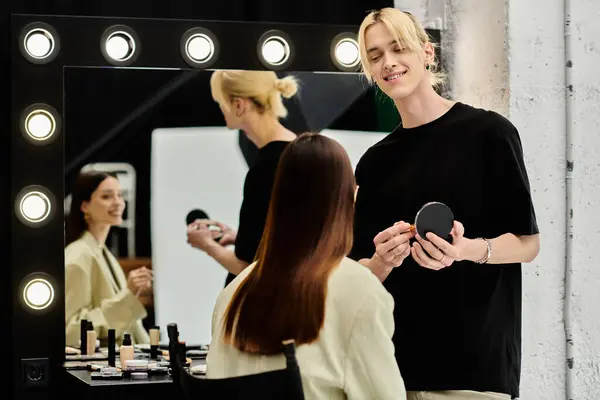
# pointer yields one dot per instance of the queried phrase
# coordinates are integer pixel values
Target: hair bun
(287, 86)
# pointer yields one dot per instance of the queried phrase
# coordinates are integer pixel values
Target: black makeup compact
(434, 217)
(195, 214)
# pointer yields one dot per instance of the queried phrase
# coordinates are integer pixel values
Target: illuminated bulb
(40, 124)
(120, 46)
(200, 48)
(35, 206)
(275, 51)
(39, 43)
(346, 52)
(38, 294)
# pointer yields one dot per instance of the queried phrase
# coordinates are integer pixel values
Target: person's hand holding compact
(201, 236)
(440, 240)
(228, 235)
(433, 252)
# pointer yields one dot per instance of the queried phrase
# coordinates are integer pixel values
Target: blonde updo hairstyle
(263, 88)
(407, 31)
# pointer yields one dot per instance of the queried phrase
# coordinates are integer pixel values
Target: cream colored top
(354, 355)
(91, 293)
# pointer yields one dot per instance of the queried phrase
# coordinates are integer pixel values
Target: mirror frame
(39, 251)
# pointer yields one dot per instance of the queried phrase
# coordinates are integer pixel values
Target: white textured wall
(478, 68)
(535, 40)
(585, 22)
(508, 55)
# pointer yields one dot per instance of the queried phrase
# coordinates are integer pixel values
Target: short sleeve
(507, 183)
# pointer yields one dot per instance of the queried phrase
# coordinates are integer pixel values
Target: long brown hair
(307, 233)
(85, 185)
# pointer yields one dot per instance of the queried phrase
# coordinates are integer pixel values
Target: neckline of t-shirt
(433, 123)
(273, 143)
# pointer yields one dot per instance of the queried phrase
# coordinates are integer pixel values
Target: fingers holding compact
(428, 259)
(437, 253)
(393, 244)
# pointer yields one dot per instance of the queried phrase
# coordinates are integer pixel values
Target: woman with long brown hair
(302, 287)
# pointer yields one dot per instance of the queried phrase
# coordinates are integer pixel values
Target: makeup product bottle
(182, 349)
(126, 352)
(111, 347)
(154, 338)
(83, 336)
(91, 339)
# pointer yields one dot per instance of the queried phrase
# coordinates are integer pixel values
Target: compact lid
(136, 363)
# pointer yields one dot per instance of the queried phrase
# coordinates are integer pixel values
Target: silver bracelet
(489, 251)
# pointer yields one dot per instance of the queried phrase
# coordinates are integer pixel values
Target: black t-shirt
(255, 206)
(458, 328)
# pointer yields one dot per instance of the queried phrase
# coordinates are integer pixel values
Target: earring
(86, 217)
(427, 66)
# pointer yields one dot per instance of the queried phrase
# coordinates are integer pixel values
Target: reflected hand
(436, 253)
(229, 235)
(139, 281)
(200, 236)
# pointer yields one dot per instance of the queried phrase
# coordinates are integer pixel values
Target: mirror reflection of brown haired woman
(96, 288)
(250, 101)
(302, 287)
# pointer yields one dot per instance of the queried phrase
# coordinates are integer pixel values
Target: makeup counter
(127, 371)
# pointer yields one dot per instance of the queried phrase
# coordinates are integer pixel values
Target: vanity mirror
(165, 138)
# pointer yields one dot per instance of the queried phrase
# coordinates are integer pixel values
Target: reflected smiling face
(398, 72)
(106, 205)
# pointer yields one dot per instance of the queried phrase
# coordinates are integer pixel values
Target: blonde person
(96, 288)
(457, 302)
(303, 287)
(250, 101)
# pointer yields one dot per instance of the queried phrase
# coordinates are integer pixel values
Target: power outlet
(35, 372)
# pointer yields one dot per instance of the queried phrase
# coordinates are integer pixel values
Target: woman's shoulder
(349, 268)
(79, 253)
(227, 293)
(354, 282)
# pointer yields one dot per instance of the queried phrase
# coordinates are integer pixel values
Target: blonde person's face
(106, 204)
(397, 71)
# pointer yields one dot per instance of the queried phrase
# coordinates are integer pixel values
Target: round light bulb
(39, 43)
(35, 206)
(119, 46)
(40, 124)
(274, 51)
(346, 52)
(38, 294)
(200, 48)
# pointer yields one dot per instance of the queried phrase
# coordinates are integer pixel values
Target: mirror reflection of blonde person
(96, 288)
(303, 287)
(250, 101)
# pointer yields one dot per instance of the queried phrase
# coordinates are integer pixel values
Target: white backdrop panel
(201, 168)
